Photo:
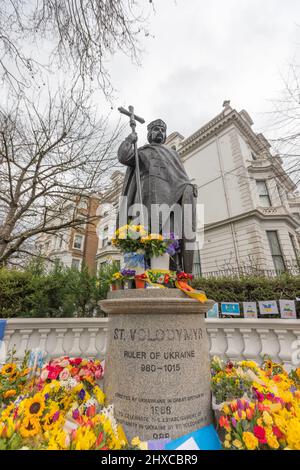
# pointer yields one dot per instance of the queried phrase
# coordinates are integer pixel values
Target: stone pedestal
(157, 371)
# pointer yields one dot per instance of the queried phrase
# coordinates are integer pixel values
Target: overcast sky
(204, 52)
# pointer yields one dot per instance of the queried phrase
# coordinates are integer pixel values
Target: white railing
(84, 337)
(230, 338)
(238, 339)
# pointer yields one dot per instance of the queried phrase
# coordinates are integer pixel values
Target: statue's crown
(157, 122)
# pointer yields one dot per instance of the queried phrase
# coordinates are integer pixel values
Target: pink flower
(44, 375)
(98, 374)
(259, 395)
(260, 433)
(64, 363)
(54, 372)
(64, 375)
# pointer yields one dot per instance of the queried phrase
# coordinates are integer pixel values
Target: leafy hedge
(66, 292)
(63, 292)
(250, 289)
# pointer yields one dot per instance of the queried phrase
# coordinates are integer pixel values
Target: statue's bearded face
(157, 135)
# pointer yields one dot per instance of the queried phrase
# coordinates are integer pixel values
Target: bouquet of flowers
(13, 378)
(65, 411)
(129, 238)
(182, 276)
(267, 417)
(160, 277)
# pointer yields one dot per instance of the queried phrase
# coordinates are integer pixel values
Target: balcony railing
(234, 339)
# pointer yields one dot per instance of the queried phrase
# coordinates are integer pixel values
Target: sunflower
(35, 406)
(30, 427)
(25, 372)
(8, 369)
(9, 393)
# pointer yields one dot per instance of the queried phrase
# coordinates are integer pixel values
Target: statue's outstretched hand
(132, 138)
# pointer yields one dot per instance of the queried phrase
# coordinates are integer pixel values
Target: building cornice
(258, 215)
(216, 125)
(269, 164)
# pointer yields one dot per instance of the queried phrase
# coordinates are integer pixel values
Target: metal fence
(246, 271)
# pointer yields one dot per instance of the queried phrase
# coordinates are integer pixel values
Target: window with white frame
(276, 251)
(105, 237)
(295, 248)
(75, 263)
(263, 193)
(78, 241)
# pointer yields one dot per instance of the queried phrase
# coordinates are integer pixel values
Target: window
(297, 216)
(75, 263)
(276, 251)
(296, 251)
(105, 237)
(264, 198)
(254, 157)
(197, 263)
(78, 242)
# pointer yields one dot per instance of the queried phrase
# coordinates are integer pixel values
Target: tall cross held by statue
(133, 118)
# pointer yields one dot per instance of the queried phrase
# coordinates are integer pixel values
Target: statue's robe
(163, 181)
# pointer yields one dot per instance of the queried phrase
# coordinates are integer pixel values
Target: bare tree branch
(50, 158)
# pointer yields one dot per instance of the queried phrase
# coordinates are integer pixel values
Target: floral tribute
(134, 238)
(257, 407)
(60, 408)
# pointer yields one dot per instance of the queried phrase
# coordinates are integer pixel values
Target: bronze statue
(163, 181)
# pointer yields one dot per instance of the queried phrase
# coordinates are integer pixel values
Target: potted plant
(117, 281)
(128, 278)
(140, 281)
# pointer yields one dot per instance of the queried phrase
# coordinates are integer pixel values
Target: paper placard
(268, 307)
(213, 312)
(204, 439)
(250, 309)
(2, 328)
(230, 308)
(287, 309)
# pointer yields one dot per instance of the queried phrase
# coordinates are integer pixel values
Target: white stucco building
(251, 207)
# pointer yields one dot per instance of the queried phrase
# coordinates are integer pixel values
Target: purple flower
(173, 247)
(55, 417)
(240, 404)
(47, 396)
(234, 422)
(128, 272)
(81, 394)
(75, 414)
(293, 389)
(260, 397)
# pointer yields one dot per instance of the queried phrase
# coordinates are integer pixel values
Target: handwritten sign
(250, 309)
(232, 308)
(268, 307)
(287, 309)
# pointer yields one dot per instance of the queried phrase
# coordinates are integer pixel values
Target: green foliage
(250, 289)
(62, 292)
